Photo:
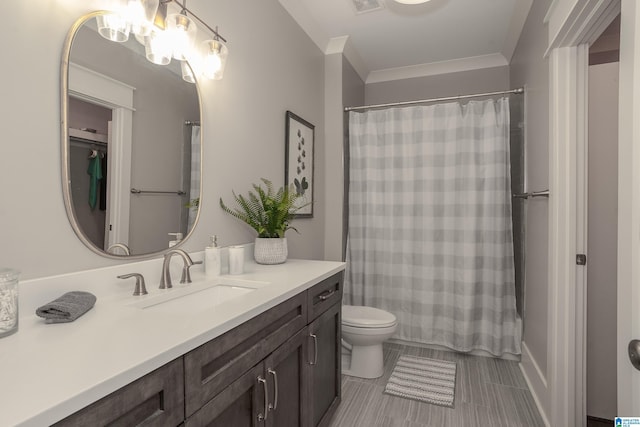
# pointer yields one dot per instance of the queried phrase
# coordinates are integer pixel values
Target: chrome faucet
(165, 279)
(122, 246)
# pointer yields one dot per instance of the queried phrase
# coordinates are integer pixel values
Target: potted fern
(269, 213)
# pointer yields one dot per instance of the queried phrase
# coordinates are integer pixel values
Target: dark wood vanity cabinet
(278, 369)
(157, 399)
(325, 366)
(292, 383)
(272, 394)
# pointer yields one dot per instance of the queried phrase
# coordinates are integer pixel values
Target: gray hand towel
(67, 308)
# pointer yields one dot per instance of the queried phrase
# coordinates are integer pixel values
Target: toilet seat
(366, 317)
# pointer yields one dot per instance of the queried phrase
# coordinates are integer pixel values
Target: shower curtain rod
(448, 98)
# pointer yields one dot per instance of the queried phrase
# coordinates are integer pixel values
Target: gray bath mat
(426, 380)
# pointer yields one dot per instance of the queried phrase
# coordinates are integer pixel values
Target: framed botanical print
(298, 169)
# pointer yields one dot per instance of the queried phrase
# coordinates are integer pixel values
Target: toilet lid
(366, 317)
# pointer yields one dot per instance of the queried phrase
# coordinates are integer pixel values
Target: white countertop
(49, 371)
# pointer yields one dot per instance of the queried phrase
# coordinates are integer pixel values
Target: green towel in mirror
(95, 175)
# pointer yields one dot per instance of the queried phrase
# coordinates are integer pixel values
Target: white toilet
(365, 329)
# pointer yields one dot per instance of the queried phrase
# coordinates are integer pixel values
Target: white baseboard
(536, 381)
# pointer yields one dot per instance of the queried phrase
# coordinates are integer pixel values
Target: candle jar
(8, 301)
(236, 259)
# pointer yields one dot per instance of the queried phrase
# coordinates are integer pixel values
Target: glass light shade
(187, 72)
(141, 14)
(183, 32)
(113, 26)
(158, 47)
(214, 58)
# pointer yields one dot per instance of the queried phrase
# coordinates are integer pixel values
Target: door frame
(572, 26)
(628, 208)
(96, 88)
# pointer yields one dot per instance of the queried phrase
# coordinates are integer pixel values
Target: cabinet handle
(275, 389)
(326, 295)
(315, 349)
(266, 399)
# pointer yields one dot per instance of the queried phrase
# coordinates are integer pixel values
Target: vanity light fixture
(166, 36)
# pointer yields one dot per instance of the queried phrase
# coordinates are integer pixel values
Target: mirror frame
(64, 151)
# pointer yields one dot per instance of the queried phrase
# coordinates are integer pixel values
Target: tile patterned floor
(489, 392)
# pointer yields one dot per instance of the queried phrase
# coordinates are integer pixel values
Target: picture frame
(299, 161)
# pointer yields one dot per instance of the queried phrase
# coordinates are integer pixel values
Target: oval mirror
(131, 145)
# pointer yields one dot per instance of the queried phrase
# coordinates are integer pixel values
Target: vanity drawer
(156, 399)
(213, 366)
(324, 295)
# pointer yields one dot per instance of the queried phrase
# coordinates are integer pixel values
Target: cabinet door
(325, 366)
(241, 404)
(212, 367)
(157, 399)
(287, 370)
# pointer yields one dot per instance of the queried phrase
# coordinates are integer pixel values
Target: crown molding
(435, 68)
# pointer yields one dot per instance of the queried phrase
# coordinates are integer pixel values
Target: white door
(629, 209)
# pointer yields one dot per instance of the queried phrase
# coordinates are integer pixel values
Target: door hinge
(581, 259)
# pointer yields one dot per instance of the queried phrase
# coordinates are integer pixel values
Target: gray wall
(529, 68)
(243, 128)
(343, 87)
(603, 241)
(452, 84)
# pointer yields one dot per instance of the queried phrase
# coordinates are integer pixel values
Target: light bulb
(214, 58)
(113, 26)
(158, 47)
(183, 34)
(141, 14)
(187, 72)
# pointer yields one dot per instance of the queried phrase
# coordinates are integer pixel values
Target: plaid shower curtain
(430, 233)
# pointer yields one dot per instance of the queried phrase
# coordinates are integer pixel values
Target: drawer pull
(266, 400)
(275, 390)
(315, 349)
(326, 295)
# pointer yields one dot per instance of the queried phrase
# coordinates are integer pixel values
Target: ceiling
(399, 41)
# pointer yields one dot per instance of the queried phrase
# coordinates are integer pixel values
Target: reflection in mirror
(131, 146)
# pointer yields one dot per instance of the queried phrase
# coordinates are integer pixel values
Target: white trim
(435, 68)
(582, 209)
(343, 46)
(571, 29)
(582, 23)
(91, 85)
(97, 88)
(536, 381)
(628, 208)
(562, 235)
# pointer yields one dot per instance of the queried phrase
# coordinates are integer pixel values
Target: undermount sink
(198, 296)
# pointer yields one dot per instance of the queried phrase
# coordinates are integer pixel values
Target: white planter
(270, 251)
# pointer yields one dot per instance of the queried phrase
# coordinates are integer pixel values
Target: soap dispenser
(212, 265)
